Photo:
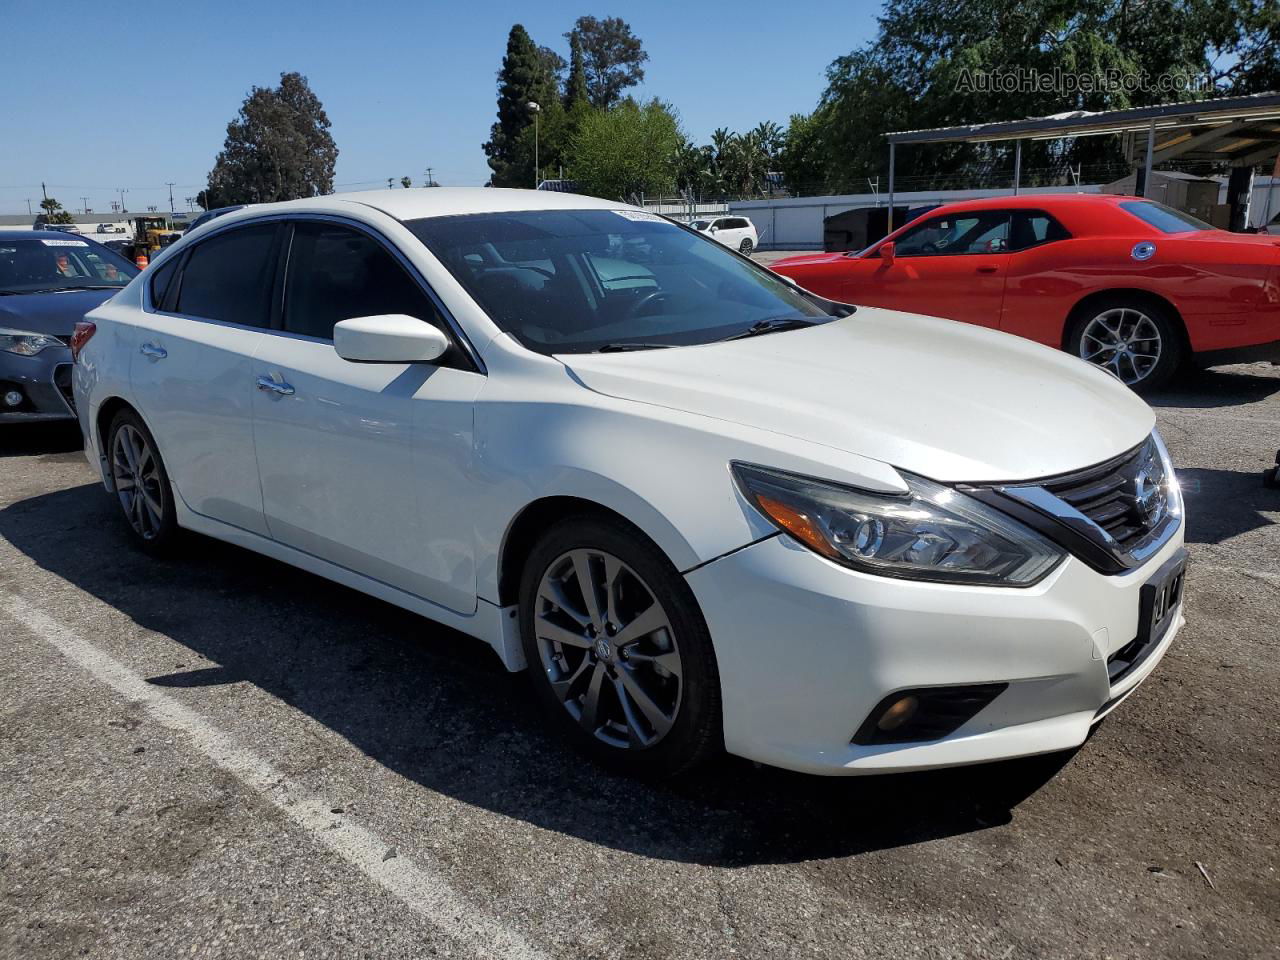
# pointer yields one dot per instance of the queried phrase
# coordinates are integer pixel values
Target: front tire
(141, 483)
(1137, 340)
(618, 652)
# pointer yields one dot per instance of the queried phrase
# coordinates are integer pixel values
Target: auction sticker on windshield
(639, 215)
(64, 243)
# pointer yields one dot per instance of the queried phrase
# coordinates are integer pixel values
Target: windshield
(38, 264)
(700, 224)
(574, 281)
(1164, 219)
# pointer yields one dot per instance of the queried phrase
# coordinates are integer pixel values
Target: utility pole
(170, 186)
(430, 182)
(85, 202)
(28, 206)
(389, 182)
(122, 191)
(536, 110)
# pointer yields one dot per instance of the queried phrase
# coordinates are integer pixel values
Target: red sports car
(1126, 283)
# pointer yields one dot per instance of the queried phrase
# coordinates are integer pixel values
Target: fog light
(12, 398)
(899, 712)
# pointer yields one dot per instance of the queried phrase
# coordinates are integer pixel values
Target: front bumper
(807, 648)
(44, 381)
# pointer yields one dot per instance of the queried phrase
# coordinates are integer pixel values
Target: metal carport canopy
(1239, 130)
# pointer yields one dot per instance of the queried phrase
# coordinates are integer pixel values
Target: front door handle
(152, 352)
(987, 269)
(278, 387)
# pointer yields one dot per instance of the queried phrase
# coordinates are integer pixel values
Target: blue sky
(135, 94)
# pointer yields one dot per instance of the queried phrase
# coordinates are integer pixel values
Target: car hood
(941, 399)
(806, 259)
(51, 313)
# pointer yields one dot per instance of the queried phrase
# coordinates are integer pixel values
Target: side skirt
(496, 626)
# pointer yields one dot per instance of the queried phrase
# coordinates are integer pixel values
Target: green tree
(802, 159)
(406, 182)
(277, 148)
(575, 87)
(523, 79)
(53, 212)
(611, 55)
(628, 152)
(919, 71)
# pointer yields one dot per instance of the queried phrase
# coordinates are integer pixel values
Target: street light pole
(536, 110)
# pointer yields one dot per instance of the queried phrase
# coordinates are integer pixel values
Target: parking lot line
(417, 886)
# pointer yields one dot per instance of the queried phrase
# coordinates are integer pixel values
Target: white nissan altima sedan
(705, 508)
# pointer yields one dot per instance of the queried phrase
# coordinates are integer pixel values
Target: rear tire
(141, 483)
(628, 674)
(745, 247)
(1139, 341)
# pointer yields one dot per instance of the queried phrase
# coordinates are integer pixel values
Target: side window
(956, 235)
(161, 280)
(1034, 227)
(229, 277)
(336, 273)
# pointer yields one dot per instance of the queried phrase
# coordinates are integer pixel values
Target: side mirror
(389, 338)
(714, 228)
(886, 253)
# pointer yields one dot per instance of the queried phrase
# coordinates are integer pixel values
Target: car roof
(1036, 201)
(418, 202)
(38, 234)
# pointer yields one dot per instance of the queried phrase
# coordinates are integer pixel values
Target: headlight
(930, 533)
(25, 344)
(1169, 479)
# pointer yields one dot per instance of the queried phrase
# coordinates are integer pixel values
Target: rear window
(1164, 219)
(229, 276)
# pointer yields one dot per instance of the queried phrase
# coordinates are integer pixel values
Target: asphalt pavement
(220, 756)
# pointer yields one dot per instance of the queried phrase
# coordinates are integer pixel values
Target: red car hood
(805, 259)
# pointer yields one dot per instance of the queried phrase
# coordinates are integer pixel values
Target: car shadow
(1219, 387)
(38, 438)
(437, 707)
(1222, 504)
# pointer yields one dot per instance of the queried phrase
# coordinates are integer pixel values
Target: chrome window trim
(454, 328)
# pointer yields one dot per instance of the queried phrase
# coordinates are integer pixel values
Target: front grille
(62, 380)
(1106, 494)
(1113, 516)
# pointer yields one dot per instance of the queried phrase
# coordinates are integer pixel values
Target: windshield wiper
(773, 325)
(87, 286)
(624, 347)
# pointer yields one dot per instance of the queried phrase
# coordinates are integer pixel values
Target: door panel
(197, 400)
(950, 266)
(192, 375)
(366, 465)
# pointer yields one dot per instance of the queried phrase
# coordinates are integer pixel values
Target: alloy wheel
(608, 649)
(1123, 340)
(135, 470)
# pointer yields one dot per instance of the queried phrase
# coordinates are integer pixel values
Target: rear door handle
(152, 352)
(278, 387)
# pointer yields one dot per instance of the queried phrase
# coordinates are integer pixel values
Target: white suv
(736, 232)
(704, 507)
